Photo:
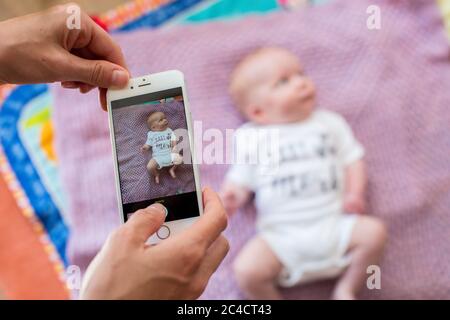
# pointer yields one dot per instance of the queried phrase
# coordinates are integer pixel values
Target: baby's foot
(157, 179)
(172, 172)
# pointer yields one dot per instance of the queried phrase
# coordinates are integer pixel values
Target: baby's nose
(300, 83)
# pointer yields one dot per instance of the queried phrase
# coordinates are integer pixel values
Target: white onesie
(299, 201)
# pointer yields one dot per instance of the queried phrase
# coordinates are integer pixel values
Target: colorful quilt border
(122, 18)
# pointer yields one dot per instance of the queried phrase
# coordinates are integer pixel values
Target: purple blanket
(390, 84)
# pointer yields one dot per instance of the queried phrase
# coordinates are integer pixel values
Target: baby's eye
(282, 81)
(301, 73)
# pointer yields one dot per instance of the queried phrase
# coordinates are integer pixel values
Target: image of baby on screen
(162, 141)
(153, 155)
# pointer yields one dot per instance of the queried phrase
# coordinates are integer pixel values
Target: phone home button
(163, 232)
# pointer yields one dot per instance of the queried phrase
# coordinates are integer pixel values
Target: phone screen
(153, 154)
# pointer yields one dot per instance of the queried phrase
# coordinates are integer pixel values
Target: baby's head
(157, 121)
(270, 87)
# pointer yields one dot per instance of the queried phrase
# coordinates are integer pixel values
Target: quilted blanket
(389, 83)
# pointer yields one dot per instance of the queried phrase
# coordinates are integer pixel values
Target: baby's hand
(234, 196)
(354, 203)
(145, 147)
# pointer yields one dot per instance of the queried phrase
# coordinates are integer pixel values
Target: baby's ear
(255, 113)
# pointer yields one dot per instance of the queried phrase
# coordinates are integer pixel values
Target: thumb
(145, 222)
(99, 73)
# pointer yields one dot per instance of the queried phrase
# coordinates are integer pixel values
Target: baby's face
(157, 121)
(277, 89)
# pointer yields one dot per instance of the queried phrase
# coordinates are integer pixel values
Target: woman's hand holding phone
(39, 48)
(177, 268)
(42, 48)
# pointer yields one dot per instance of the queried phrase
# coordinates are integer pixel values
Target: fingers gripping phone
(152, 143)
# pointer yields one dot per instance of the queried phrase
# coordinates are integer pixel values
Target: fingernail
(119, 78)
(84, 88)
(159, 207)
(69, 85)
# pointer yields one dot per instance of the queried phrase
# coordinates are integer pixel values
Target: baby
(307, 226)
(162, 140)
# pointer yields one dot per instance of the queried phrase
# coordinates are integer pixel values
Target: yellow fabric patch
(445, 9)
(47, 140)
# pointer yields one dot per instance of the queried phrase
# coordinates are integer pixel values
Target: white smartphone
(153, 150)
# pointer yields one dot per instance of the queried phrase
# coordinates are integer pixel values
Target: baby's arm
(145, 147)
(351, 155)
(173, 141)
(240, 181)
(174, 145)
(355, 187)
(234, 196)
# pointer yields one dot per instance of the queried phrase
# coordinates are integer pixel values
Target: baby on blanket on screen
(307, 222)
(162, 140)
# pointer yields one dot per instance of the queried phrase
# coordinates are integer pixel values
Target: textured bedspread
(390, 84)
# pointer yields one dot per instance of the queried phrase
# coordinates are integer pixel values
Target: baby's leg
(152, 167)
(366, 247)
(256, 269)
(176, 160)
